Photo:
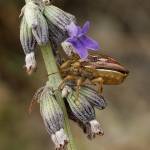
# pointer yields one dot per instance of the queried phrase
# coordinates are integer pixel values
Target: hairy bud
(53, 117)
(28, 42)
(93, 97)
(57, 20)
(37, 22)
(82, 112)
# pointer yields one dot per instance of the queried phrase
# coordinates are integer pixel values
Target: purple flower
(80, 41)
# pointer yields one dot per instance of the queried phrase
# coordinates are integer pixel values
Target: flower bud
(83, 109)
(57, 21)
(93, 97)
(53, 117)
(28, 42)
(31, 11)
(58, 17)
(83, 113)
(37, 22)
(31, 64)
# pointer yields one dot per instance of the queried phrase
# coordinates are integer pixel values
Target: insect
(98, 69)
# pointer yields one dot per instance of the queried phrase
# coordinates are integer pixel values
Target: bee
(98, 69)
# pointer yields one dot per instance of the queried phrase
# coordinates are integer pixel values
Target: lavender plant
(49, 27)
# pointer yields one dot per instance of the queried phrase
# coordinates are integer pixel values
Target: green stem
(54, 82)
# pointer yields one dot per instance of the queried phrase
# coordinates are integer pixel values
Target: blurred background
(123, 30)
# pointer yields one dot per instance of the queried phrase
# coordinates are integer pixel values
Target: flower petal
(79, 47)
(89, 43)
(72, 29)
(86, 27)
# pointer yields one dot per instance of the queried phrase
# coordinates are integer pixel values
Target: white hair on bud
(30, 62)
(96, 128)
(60, 139)
(68, 48)
(65, 91)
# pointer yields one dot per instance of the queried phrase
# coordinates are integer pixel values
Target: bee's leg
(67, 78)
(79, 83)
(100, 82)
(65, 64)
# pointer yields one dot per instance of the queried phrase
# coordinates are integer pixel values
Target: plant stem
(54, 81)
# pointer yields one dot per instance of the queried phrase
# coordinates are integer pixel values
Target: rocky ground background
(123, 30)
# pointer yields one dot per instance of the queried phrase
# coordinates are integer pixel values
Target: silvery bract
(57, 20)
(82, 110)
(93, 97)
(68, 48)
(37, 22)
(83, 113)
(53, 117)
(28, 43)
